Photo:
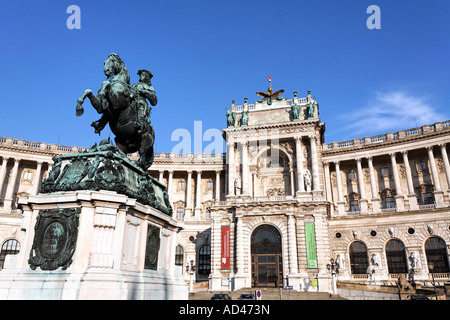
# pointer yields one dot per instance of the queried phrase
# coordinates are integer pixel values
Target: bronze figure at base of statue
(105, 167)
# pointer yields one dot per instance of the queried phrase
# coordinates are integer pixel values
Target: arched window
(396, 256)
(358, 257)
(436, 252)
(204, 260)
(281, 162)
(179, 256)
(11, 246)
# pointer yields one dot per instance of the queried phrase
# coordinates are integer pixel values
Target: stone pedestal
(413, 205)
(400, 203)
(439, 199)
(376, 208)
(364, 206)
(93, 245)
(240, 281)
(341, 208)
(296, 281)
(215, 282)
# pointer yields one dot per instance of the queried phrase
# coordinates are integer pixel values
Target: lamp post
(334, 269)
(190, 267)
(431, 268)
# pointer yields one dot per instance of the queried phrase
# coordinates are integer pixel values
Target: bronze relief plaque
(152, 248)
(55, 239)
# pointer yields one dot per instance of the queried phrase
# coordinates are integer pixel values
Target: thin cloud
(393, 111)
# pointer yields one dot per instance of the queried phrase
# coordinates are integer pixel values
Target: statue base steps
(93, 245)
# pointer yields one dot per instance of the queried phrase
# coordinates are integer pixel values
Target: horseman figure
(125, 108)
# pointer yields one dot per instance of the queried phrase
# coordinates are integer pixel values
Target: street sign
(258, 295)
(289, 287)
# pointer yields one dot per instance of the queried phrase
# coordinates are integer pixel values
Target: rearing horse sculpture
(125, 108)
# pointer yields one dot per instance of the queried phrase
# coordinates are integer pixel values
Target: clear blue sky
(203, 54)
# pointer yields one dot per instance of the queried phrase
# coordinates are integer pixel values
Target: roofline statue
(269, 96)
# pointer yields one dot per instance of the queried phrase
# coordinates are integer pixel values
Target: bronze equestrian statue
(125, 108)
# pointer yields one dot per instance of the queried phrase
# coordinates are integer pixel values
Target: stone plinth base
(93, 245)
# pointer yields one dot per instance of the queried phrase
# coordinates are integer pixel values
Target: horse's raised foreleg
(96, 103)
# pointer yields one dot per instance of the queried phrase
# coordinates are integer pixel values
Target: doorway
(267, 263)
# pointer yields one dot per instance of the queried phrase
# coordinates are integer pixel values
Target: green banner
(310, 235)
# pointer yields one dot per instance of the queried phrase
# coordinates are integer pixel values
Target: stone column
(216, 245)
(340, 203)
(161, 176)
(3, 174)
(363, 206)
(399, 200)
(411, 194)
(240, 278)
(373, 187)
(7, 204)
(329, 191)
(292, 246)
(169, 183)
(231, 168)
(37, 178)
(245, 169)
(216, 235)
(239, 245)
(291, 177)
(188, 209)
(446, 165)
(314, 163)
(217, 186)
(198, 195)
(437, 185)
(326, 171)
(338, 181)
(255, 185)
(299, 162)
(438, 193)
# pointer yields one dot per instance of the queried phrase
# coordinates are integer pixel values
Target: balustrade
(402, 134)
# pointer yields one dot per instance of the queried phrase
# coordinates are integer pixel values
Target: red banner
(225, 259)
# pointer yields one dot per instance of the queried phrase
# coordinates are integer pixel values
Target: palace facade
(281, 203)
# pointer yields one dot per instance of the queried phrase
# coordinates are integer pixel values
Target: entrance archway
(267, 266)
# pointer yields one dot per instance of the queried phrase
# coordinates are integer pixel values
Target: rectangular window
(351, 175)
(428, 198)
(389, 203)
(180, 213)
(385, 171)
(179, 254)
(354, 205)
(27, 175)
(181, 185)
(422, 166)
